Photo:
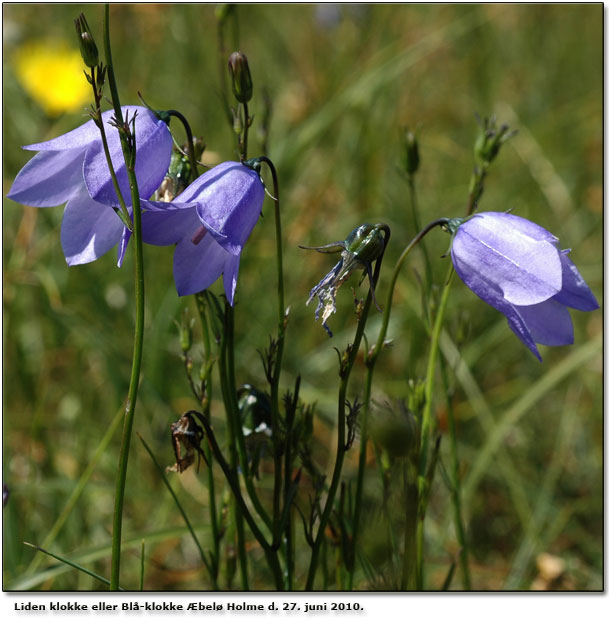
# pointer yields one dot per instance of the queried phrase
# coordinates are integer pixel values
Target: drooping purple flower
(73, 168)
(210, 222)
(517, 267)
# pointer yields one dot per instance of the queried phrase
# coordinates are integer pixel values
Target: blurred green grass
(343, 85)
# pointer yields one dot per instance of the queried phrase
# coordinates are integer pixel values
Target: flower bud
(88, 49)
(366, 243)
(490, 139)
(243, 86)
(411, 152)
(360, 249)
(185, 328)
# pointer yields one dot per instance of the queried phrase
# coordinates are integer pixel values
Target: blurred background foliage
(343, 81)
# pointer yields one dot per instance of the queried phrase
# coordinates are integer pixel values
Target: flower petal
(231, 207)
(85, 134)
(492, 295)
(154, 144)
(522, 225)
(527, 269)
(575, 293)
(231, 273)
(122, 246)
(49, 179)
(169, 227)
(77, 138)
(520, 328)
(196, 267)
(89, 229)
(549, 323)
(228, 199)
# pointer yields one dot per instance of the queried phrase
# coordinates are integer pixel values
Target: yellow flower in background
(52, 74)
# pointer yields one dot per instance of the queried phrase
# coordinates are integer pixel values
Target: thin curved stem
(235, 422)
(129, 153)
(123, 213)
(246, 127)
(415, 216)
(233, 480)
(281, 325)
(340, 450)
(371, 359)
(191, 145)
(455, 490)
(341, 447)
(206, 396)
(426, 425)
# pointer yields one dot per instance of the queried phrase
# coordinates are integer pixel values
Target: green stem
(191, 145)
(341, 447)
(372, 357)
(132, 394)
(110, 66)
(233, 480)
(213, 511)
(206, 393)
(124, 212)
(476, 188)
(426, 418)
(426, 424)
(139, 320)
(288, 494)
(82, 569)
(246, 127)
(411, 494)
(235, 431)
(456, 485)
(241, 549)
(281, 325)
(235, 418)
(417, 226)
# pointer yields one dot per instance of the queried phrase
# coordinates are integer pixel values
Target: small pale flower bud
(243, 87)
(88, 49)
(185, 328)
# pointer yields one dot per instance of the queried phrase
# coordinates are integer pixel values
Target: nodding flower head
(210, 221)
(364, 245)
(517, 267)
(73, 169)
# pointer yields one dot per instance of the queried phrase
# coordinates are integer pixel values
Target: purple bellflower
(210, 222)
(517, 267)
(73, 168)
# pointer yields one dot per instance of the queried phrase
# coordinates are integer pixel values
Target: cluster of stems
(272, 523)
